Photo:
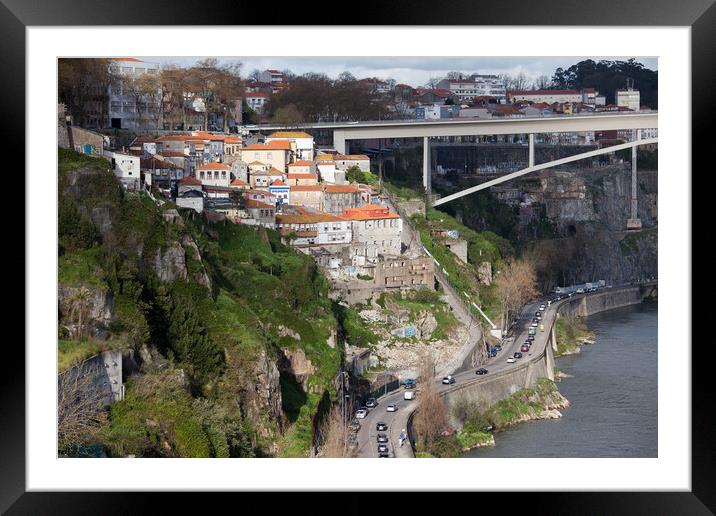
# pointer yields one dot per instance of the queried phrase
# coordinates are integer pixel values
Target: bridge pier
(549, 362)
(532, 150)
(426, 165)
(553, 337)
(634, 222)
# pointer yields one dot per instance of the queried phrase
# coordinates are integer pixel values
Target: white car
(541, 308)
(391, 408)
(362, 413)
(511, 360)
(448, 380)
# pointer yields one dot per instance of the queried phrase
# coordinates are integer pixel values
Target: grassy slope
(259, 285)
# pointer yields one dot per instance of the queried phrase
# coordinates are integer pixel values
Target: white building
(547, 96)
(126, 111)
(126, 167)
(273, 77)
(301, 143)
(257, 101)
(629, 98)
(376, 231)
(346, 161)
(315, 228)
(214, 174)
(475, 86)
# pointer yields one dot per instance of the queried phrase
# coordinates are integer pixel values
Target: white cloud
(410, 70)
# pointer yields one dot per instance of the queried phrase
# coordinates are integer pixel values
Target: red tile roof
(302, 163)
(342, 189)
(190, 181)
(369, 212)
(213, 166)
(302, 176)
(272, 145)
(543, 92)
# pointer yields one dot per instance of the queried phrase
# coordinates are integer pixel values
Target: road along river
(613, 395)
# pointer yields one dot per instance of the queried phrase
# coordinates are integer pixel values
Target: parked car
(530, 338)
(409, 395)
(382, 448)
(511, 360)
(370, 403)
(382, 438)
(517, 354)
(542, 307)
(448, 380)
(391, 408)
(481, 371)
(532, 331)
(380, 426)
(498, 347)
(534, 324)
(384, 455)
(524, 347)
(361, 413)
(409, 383)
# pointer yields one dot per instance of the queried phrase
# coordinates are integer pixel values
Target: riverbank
(543, 401)
(612, 392)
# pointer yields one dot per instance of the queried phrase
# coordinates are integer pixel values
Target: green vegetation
(355, 331)
(263, 295)
(471, 436)
(419, 302)
(630, 243)
(72, 352)
(483, 246)
(81, 268)
(159, 418)
(571, 332)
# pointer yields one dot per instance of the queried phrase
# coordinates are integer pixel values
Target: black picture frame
(700, 15)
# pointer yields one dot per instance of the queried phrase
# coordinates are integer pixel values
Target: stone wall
(97, 378)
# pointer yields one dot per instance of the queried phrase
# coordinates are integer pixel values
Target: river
(613, 395)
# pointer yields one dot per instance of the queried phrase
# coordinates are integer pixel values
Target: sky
(415, 71)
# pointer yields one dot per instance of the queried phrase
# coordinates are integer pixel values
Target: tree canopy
(609, 76)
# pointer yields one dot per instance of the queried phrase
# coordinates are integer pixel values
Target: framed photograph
(259, 254)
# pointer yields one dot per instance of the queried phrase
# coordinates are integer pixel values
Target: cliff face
(229, 309)
(586, 211)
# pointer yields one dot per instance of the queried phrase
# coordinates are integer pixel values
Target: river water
(613, 396)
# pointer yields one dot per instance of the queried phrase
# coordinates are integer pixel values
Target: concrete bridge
(426, 129)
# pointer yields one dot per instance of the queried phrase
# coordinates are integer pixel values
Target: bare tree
(542, 82)
(334, 432)
(80, 408)
(431, 416)
(516, 285)
(433, 82)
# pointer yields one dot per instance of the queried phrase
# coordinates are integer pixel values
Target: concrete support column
(549, 362)
(532, 150)
(426, 164)
(634, 222)
(339, 140)
(554, 337)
